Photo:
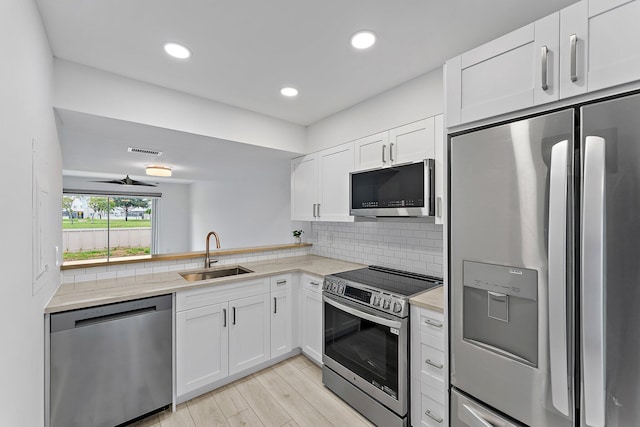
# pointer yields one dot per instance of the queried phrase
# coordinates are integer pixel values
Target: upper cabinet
(320, 185)
(411, 142)
(587, 46)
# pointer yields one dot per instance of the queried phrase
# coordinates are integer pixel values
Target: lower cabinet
(202, 356)
(281, 315)
(312, 317)
(429, 370)
(249, 332)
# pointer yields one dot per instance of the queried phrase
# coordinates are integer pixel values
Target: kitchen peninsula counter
(71, 296)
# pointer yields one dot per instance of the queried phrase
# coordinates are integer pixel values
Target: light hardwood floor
(287, 394)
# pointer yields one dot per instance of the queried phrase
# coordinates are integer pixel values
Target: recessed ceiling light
(177, 50)
(158, 170)
(289, 91)
(363, 39)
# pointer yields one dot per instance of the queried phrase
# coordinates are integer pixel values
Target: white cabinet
(440, 141)
(372, 151)
(220, 330)
(612, 56)
(281, 315)
(312, 317)
(304, 187)
(320, 185)
(503, 75)
(249, 332)
(411, 142)
(201, 336)
(587, 46)
(429, 369)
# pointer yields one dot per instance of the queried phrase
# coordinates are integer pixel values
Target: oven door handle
(363, 315)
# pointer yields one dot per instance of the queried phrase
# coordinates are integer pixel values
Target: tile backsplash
(405, 244)
(150, 267)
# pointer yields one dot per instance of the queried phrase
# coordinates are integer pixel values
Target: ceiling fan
(127, 181)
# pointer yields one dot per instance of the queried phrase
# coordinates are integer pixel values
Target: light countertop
(71, 296)
(432, 299)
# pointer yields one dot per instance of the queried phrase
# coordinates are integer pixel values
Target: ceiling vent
(145, 151)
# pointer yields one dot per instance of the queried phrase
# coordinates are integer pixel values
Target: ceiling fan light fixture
(177, 50)
(158, 170)
(363, 39)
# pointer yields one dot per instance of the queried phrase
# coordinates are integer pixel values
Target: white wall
(26, 92)
(244, 210)
(174, 210)
(88, 90)
(414, 100)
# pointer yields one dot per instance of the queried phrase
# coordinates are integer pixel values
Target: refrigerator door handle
(592, 261)
(557, 280)
(476, 418)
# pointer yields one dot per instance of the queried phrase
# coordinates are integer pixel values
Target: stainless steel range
(366, 345)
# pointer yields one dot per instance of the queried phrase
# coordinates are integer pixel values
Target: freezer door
(610, 248)
(502, 297)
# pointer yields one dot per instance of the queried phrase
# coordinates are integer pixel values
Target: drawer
(282, 281)
(432, 361)
(435, 394)
(432, 412)
(432, 330)
(217, 293)
(312, 283)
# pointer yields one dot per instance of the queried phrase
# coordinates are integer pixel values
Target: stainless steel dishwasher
(110, 364)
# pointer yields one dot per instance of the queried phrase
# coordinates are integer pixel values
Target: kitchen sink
(213, 274)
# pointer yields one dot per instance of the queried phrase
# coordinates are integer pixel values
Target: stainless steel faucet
(207, 259)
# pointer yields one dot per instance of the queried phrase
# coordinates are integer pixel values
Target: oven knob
(386, 304)
(334, 287)
(340, 289)
(397, 307)
(376, 300)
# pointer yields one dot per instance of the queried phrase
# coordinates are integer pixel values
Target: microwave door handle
(557, 276)
(362, 314)
(592, 255)
(476, 419)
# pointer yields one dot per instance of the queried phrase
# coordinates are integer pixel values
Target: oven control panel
(374, 298)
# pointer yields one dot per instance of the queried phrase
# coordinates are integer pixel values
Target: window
(107, 227)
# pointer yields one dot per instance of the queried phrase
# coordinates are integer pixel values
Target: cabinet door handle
(434, 364)
(573, 43)
(391, 151)
(314, 210)
(224, 317)
(234, 316)
(318, 210)
(432, 323)
(544, 54)
(275, 305)
(384, 147)
(433, 417)
(281, 282)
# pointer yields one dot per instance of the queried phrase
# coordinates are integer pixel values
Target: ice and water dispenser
(500, 306)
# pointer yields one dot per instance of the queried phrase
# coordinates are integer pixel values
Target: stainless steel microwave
(404, 190)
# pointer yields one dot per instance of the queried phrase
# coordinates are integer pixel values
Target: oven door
(368, 349)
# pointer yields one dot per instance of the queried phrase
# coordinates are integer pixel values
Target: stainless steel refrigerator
(545, 269)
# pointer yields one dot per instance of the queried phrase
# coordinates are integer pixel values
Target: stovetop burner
(401, 283)
(381, 288)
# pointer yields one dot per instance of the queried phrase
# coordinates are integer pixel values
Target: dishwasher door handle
(114, 316)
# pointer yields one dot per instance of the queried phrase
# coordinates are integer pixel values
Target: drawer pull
(434, 364)
(314, 283)
(281, 282)
(432, 323)
(439, 420)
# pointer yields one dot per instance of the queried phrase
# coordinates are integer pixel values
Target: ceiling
(244, 51)
(97, 148)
